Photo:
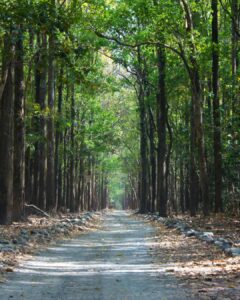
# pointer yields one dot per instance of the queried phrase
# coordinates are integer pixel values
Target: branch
(184, 58)
(37, 209)
(146, 43)
(188, 14)
(236, 28)
(129, 81)
(119, 61)
(113, 39)
(180, 53)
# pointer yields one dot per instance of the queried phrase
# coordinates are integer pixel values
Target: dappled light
(96, 264)
(119, 149)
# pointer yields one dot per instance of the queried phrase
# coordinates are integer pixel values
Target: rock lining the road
(205, 236)
(63, 227)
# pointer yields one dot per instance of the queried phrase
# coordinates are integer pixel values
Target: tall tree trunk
(198, 119)
(89, 184)
(81, 177)
(186, 161)
(41, 90)
(197, 99)
(235, 7)
(143, 138)
(182, 202)
(161, 129)
(6, 133)
(72, 158)
(63, 203)
(59, 140)
(93, 184)
(216, 109)
(143, 153)
(50, 187)
(152, 159)
(168, 155)
(28, 176)
(194, 197)
(19, 131)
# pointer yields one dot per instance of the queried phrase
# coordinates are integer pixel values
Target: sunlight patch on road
(74, 269)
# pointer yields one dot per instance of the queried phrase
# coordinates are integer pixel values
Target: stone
(223, 244)
(233, 251)
(75, 221)
(4, 242)
(219, 244)
(67, 220)
(43, 232)
(33, 232)
(63, 224)
(82, 222)
(170, 223)
(24, 232)
(207, 236)
(190, 232)
(22, 242)
(7, 249)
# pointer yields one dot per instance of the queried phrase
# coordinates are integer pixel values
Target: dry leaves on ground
(205, 271)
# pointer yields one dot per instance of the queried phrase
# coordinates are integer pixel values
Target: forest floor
(221, 225)
(202, 267)
(127, 257)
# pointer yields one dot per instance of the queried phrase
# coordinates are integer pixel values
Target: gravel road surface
(112, 263)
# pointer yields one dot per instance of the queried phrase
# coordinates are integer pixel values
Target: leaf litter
(203, 269)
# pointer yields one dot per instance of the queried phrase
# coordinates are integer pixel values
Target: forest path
(111, 263)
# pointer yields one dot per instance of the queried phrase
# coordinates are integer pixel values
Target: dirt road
(111, 263)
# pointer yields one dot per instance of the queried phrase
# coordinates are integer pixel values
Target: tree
(216, 109)
(6, 132)
(19, 130)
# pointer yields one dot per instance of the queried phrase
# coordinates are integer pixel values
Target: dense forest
(136, 102)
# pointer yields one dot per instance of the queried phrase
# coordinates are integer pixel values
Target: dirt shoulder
(205, 270)
(222, 226)
(20, 240)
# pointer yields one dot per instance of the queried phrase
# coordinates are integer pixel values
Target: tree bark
(72, 158)
(50, 187)
(235, 7)
(19, 131)
(152, 160)
(41, 90)
(143, 138)
(6, 134)
(197, 99)
(59, 141)
(168, 154)
(161, 129)
(194, 197)
(216, 109)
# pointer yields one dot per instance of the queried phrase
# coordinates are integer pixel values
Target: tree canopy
(116, 101)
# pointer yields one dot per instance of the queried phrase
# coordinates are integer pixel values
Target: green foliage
(95, 43)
